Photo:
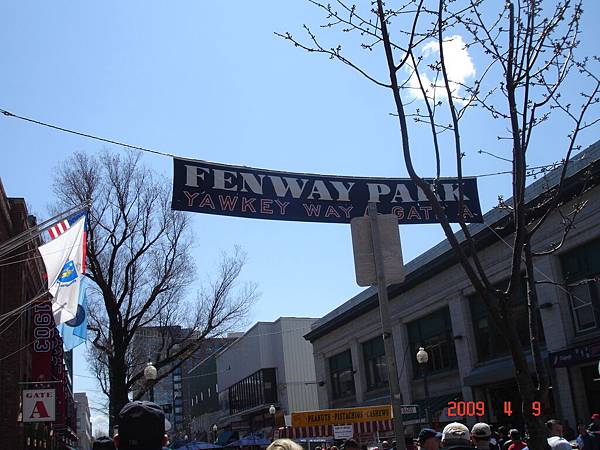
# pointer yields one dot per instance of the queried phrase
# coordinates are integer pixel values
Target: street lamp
(150, 374)
(272, 411)
(422, 359)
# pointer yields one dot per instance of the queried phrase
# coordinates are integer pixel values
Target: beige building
(84, 425)
(270, 365)
(436, 308)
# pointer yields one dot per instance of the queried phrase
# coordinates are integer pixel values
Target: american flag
(59, 228)
(56, 230)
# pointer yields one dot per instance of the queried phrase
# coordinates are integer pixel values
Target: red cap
(595, 416)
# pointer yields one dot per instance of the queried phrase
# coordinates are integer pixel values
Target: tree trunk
(118, 390)
(534, 331)
(535, 425)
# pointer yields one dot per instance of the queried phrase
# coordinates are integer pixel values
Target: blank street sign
(362, 244)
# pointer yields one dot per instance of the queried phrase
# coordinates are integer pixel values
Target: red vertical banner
(48, 357)
(59, 374)
(43, 338)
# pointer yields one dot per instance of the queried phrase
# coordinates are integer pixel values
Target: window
(257, 389)
(489, 339)
(582, 305)
(580, 265)
(375, 365)
(434, 333)
(342, 376)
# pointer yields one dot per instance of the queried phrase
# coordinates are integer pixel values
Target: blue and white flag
(74, 331)
(64, 258)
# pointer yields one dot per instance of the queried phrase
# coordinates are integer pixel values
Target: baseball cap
(595, 416)
(351, 443)
(455, 435)
(481, 430)
(104, 443)
(427, 433)
(142, 424)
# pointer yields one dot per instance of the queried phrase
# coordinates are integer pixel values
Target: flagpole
(31, 233)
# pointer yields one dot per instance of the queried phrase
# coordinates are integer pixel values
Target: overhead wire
(86, 135)
(171, 155)
(24, 305)
(4, 328)
(35, 231)
(16, 351)
(157, 152)
(31, 258)
(16, 310)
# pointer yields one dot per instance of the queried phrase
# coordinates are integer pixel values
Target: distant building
(173, 393)
(151, 344)
(436, 307)
(84, 425)
(269, 365)
(200, 387)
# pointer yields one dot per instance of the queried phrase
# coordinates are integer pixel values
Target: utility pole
(386, 330)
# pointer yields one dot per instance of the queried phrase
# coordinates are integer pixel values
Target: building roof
(259, 323)
(439, 256)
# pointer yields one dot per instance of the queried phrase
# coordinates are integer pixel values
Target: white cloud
(459, 66)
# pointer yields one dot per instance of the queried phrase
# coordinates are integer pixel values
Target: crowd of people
(456, 436)
(142, 426)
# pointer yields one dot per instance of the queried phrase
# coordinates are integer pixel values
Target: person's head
(351, 444)
(481, 434)
(385, 445)
(141, 427)
(103, 443)
(429, 439)
(582, 429)
(456, 435)
(333, 447)
(515, 435)
(596, 418)
(284, 444)
(502, 432)
(554, 427)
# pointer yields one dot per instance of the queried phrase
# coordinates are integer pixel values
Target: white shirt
(558, 443)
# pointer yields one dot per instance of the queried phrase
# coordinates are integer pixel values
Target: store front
(582, 362)
(366, 425)
(591, 383)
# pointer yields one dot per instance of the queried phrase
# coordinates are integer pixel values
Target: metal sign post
(386, 329)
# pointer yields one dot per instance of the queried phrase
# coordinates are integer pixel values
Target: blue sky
(210, 80)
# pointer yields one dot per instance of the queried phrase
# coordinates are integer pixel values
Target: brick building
(26, 356)
(19, 282)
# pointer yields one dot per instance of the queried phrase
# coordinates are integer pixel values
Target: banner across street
(212, 188)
